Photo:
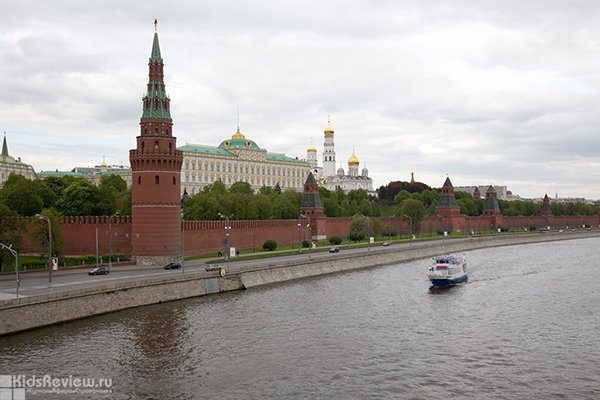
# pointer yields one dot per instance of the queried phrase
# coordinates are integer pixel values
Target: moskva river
(525, 326)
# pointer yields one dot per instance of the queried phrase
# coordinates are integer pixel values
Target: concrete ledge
(36, 311)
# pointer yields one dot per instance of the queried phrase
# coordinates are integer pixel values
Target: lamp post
(49, 247)
(299, 239)
(410, 226)
(227, 232)
(110, 243)
(14, 253)
(309, 232)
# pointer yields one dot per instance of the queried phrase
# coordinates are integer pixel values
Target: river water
(525, 326)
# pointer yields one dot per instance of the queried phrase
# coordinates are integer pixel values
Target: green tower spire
(4, 147)
(156, 102)
(155, 55)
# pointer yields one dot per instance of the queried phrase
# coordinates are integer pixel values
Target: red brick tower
(311, 209)
(449, 210)
(155, 175)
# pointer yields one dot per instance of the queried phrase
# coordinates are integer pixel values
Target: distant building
(10, 165)
(92, 174)
(331, 179)
(502, 192)
(352, 180)
(239, 159)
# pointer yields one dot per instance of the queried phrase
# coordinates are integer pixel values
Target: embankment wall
(36, 311)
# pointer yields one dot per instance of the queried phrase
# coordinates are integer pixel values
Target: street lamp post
(49, 247)
(110, 243)
(410, 229)
(14, 253)
(227, 232)
(368, 233)
(309, 232)
(299, 239)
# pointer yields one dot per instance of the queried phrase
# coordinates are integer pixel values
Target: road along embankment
(31, 312)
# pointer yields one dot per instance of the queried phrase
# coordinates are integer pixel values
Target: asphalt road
(37, 282)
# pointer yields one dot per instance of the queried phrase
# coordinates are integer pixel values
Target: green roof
(282, 157)
(5, 157)
(155, 103)
(195, 148)
(155, 55)
(43, 174)
(238, 143)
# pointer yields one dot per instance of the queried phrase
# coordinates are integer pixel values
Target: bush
(334, 240)
(305, 244)
(269, 245)
(356, 236)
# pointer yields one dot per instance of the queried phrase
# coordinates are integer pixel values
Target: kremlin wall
(206, 237)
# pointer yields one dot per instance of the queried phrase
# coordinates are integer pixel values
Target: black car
(213, 267)
(334, 249)
(172, 265)
(99, 271)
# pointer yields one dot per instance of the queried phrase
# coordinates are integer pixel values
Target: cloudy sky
(485, 92)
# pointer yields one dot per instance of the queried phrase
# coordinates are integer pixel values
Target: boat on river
(447, 270)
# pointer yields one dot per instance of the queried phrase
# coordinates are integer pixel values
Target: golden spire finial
(353, 160)
(155, 25)
(238, 134)
(329, 129)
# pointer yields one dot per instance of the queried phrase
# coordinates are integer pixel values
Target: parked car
(99, 271)
(385, 244)
(334, 249)
(213, 267)
(172, 265)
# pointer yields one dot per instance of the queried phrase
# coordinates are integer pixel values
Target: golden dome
(353, 160)
(238, 134)
(328, 129)
(311, 149)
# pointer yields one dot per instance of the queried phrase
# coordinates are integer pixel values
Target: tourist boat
(447, 271)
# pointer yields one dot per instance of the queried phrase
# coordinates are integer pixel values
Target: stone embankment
(36, 311)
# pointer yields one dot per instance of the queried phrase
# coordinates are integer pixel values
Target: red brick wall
(206, 237)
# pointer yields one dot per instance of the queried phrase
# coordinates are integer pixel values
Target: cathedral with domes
(333, 179)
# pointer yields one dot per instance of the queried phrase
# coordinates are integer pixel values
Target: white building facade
(239, 160)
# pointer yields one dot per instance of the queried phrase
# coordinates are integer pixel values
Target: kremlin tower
(328, 151)
(155, 175)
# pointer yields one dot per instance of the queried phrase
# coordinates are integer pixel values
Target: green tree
(9, 233)
(402, 196)
(415, 210)
(18, 194)
(361, 226)
(40, 233)
(114, 181)
(83, 198)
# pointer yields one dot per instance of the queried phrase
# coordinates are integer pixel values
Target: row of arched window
(244, 168)
(141, 164)
(156, 131)
(156, 103)
(157, 145)
(228, 180)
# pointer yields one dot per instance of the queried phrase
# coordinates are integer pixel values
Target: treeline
(52, 198)
(240, 202)
(65, 196)
(417, 198)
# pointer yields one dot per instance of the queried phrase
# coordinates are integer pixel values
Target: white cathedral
(327, 175)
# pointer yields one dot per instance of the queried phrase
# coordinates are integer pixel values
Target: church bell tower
(155, 175)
